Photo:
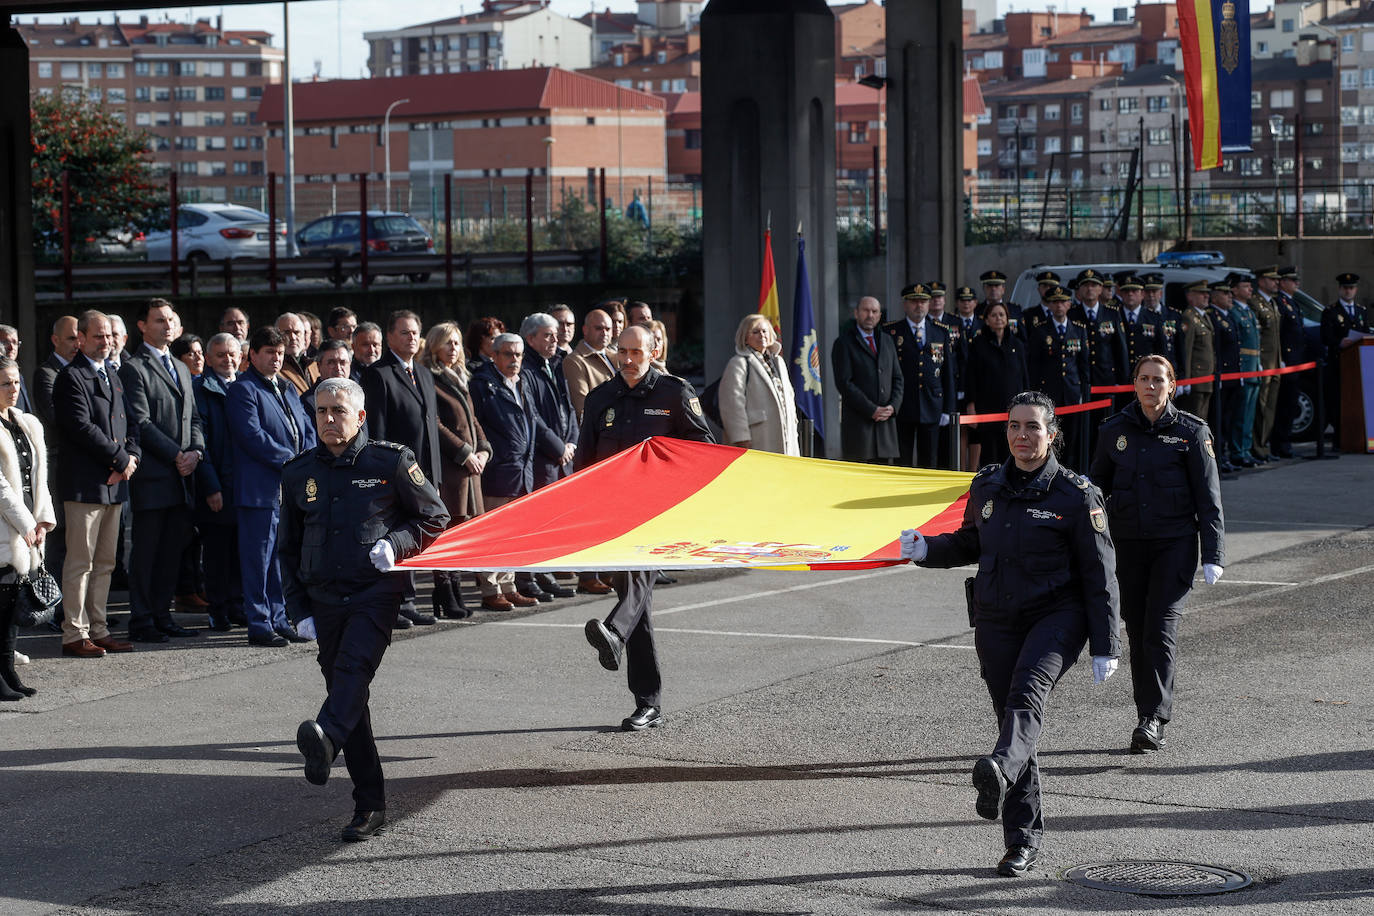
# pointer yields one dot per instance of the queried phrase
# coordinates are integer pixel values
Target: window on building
(1350, 79)
(1257, 132)
(1251, 166)
(1283, 166)
(162, 94)
(186, 93)
(1104, 104)
(1367, 78)
(985, 147)
(1076, 176)
(1158, 136)
(1128, 103)
(214, 93)
(116, 96)
(1128, 137)
(1256, 99)
(1287, 25)
(1314, 128)
(217, 168)
(255, 68)
(141, 68)
(71, 71)
(187, 168)
(1348, 42)
(238, 93)
(161, 68)
(1076, 144)
(1028, 143)
(691, 138)
(239, 118)
(1262, 47)
(238, 68)
(1312, 95)
(241, 167)
(1350, 115)
(858, 131)
(216, 143)
(1011, 111)
(185, 143)
(1053, 144)
(185, 68)
(1076, 113)
(45, 70)
(254, 92)
(93, 71)
(212, 118)
(1367, 114)
(1314, 164)
(1159, 169)
(1051, 113)
(1157, 103)
(214, 68)
(1281, 98)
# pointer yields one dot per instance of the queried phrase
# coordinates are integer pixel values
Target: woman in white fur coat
(27, 513)
(757, 406)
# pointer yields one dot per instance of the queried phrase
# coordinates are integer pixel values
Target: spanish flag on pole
(768, 292)
(1216, 60)
(698, 506)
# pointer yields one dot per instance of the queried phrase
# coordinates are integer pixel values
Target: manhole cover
(1158, 879)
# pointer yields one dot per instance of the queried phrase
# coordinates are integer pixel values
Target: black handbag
(38, 594)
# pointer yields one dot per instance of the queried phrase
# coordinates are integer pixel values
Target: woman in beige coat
(757, 407)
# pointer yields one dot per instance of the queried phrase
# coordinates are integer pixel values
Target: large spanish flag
(673, 504)
(1216, 61)
(768, 287)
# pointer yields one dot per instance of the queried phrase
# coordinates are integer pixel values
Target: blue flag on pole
(805, 354)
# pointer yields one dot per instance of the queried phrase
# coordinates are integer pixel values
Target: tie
(104, 379)
(1351, 309)
(171, 370)
(1092, 316)
(968, 325)
(872, 345)
(410, 371)
(920, 336)
(548, 371)
(1061, 328)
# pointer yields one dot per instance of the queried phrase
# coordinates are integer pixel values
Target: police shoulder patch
(1099, 519)
(416, 475)
(695, 404)
(1207, 447)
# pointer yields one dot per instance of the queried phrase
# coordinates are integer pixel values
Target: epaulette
(1077, 322)
(1076, 479)
(673, 378)
(892, 325)
(1110, 305)
(308, 453)
(383, 443)
(1191, 418)
(987, 469)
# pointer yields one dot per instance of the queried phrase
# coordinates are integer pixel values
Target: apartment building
(654, 64)
(194, 86)
(501, 35)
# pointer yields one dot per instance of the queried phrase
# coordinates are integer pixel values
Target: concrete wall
(1319, 259)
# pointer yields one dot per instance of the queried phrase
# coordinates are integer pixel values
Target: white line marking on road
(750, 596)
(1225, 581)
(1257, 596)
(856, 639)
(1290, 524)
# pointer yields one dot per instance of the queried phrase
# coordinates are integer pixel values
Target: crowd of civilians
(151, 461)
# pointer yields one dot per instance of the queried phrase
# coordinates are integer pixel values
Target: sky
(328, 34)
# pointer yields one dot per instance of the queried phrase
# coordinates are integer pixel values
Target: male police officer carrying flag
(350, 508)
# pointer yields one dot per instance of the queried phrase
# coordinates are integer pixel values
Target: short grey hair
(351, 390)
(223, 338)
(537, 322)
(507, 338)
(117, 324)
(284, 316)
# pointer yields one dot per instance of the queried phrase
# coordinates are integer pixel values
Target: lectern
(1357, 397)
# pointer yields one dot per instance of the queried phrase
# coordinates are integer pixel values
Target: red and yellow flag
(674, 504)
(768, 291)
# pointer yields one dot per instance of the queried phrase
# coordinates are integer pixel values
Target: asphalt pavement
(820, 730)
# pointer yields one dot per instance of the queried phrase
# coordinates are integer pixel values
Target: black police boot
(1148, 735)
(442, 597)
(317, 750)
(1017, 861)
(643, 717)
(991, 784)
(606, 642)
(364, 826)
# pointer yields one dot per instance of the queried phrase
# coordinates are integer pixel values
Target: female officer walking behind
(1045, 586)
(1157, 467)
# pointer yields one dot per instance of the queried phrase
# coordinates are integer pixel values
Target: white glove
(1104, 666)
(944, 419)
(307, 628)
(1183, 389)
(1211, 572)
(383, 555)
(913, 545)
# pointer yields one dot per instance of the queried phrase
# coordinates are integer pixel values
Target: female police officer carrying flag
(1045, 586)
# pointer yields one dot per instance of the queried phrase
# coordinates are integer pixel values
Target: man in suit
(926, 357)
(1292, 351)
(44, 377)
(268, 428)
(234, 321)
(99, 455)
(162, 408)
(869, 378)
(567, 328)
(401, 408)
(547, 390)
(9, 346)
(503, 407)
(1057, 363)
(335, 360)
(1107, 357)
(215, 516)
(590, 363)
(340, 324)
(367, 348)
(1144, 329)
(297, 368)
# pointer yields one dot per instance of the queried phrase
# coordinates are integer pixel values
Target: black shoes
(448, 600)
(148, 635)
(1148, 735)
(532, 590)
(642, 718)
(1017, 861)
(662, 578)
(549, 584)
(402, 622)
(606, 642)
(364, 826)
(173, 630)
(416, 616)
(317, 750)
(991, 784)
(264, 640)
(289, 634)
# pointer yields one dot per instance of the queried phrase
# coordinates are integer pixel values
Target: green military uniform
(1267, 314)
(1240, 428)
(1197, 358)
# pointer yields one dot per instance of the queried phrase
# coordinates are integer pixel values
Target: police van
(1180, 268)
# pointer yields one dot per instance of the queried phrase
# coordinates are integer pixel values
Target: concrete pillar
(768, 146)
(925, 137)
(16, 201)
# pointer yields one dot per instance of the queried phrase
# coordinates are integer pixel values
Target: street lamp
(1275, 130)
(386, 151)
(548, 177)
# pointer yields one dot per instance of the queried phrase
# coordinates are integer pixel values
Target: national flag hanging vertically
(1216, 58)
(768, 292)
(805, 355)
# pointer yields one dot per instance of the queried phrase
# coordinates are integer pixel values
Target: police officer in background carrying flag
(637, 403)
(350, 509)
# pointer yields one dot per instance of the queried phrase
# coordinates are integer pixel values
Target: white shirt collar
(409, 364)
(154, 350)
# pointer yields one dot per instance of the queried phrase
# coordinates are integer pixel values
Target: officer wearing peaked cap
(995, 290)
(1339, 320)
(1197, 356)
(1266, 308)
(926, 359)
(1240, 425)
(1107, 357)
(1057, 363)
(1144, 329)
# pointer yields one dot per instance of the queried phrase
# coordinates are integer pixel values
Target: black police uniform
(928, 389)
(334, 509)
(1292, 349)
(1058, 365)
(1108, 360)
(1145, 336)
(995, 374)
(1045, 586)
(615, 417)
(1231, 396)
(1163, 493)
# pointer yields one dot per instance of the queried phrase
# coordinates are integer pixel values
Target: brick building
(654, 64)
(195, 87)
(488, 129)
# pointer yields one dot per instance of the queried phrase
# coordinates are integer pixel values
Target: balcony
(1010, 125)
(1009, 157)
